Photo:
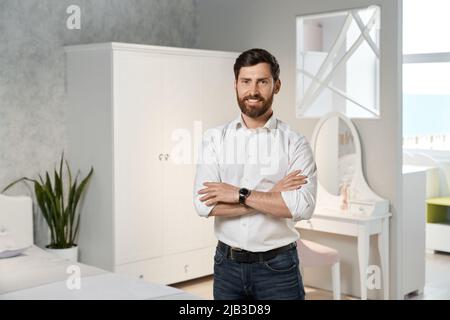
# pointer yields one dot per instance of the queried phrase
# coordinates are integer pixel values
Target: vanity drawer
(172, 269)
(361, 209)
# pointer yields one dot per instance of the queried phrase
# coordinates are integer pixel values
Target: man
(256, 203)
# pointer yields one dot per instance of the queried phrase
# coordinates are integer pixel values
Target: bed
(36, 274)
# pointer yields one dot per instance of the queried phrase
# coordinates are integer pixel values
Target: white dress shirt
(257, 159)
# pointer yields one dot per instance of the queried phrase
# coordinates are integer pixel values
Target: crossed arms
(225, 198)
(292, 197)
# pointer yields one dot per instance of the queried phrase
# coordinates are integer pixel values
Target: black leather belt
(244, 256)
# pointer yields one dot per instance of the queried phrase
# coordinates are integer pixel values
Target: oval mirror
(336, 154)
(341, 184)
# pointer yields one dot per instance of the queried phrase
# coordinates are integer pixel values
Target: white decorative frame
(361, 195)
(307, 95)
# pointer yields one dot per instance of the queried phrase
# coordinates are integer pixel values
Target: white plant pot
(68, 254)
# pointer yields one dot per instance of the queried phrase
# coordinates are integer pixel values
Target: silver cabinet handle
(160, 157)
(166, 156)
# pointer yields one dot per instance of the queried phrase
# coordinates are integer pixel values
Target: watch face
(244, 191)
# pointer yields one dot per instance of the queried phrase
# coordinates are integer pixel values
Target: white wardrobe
(137, 114)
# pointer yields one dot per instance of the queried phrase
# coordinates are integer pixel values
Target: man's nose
(254, 90)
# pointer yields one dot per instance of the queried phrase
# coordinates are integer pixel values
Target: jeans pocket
(218, 257)
(283, 262)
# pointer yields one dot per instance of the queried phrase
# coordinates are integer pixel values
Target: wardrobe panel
(138, 130)
(182, 91)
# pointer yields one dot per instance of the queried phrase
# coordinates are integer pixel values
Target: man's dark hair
(253, 57)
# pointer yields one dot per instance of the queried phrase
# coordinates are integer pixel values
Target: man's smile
(253, 100)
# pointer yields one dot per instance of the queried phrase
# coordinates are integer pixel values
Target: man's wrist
(244, 193)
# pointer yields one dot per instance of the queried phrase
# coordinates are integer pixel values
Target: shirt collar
(271, 123)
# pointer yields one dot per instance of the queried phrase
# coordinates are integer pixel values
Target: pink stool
(312, 254)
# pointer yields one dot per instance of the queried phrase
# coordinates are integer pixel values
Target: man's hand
(272, 202)
(216, 192)
(291, 182)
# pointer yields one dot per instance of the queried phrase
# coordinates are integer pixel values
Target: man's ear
(235, 84)
(277, 86)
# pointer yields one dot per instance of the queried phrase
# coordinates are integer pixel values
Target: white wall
(236, 25)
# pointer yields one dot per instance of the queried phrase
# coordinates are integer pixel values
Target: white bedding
(107, 286)
(37, 274)
(37, 267)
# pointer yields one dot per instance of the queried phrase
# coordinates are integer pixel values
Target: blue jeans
(275, 279)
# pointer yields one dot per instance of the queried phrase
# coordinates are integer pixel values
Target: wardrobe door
(138, 175)
(219, 107)
(182, 107)
(219, 97)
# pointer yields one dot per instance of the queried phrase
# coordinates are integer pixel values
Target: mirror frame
(360, 192)
(353, 14)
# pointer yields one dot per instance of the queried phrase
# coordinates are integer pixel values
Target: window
(425, 26)
(426, 75)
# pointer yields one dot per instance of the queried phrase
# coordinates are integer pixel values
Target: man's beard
(254, 112)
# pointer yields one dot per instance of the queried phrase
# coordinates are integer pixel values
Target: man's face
(255, 89)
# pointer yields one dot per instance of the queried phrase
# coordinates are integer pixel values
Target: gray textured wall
(32, 68)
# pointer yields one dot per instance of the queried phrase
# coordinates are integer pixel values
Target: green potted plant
(58, 203)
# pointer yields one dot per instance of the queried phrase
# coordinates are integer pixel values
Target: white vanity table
(345, 203)
(362, 227)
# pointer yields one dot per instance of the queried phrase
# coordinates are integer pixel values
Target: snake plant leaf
(15, 182)
(58, 193)
(61, 164)
(70, 204)
(51, 206)
(45, 209)
(61, 179)
(59, 188)
(80, 190)
(48, 182)
(74, 235)
(69, 173)
(40, 200)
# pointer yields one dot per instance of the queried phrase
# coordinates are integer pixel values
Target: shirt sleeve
(301, 202)
(207, 171)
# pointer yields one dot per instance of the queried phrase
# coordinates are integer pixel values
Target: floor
(437, 283)
(437, 277)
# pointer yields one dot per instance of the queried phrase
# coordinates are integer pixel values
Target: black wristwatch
(243, 195)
